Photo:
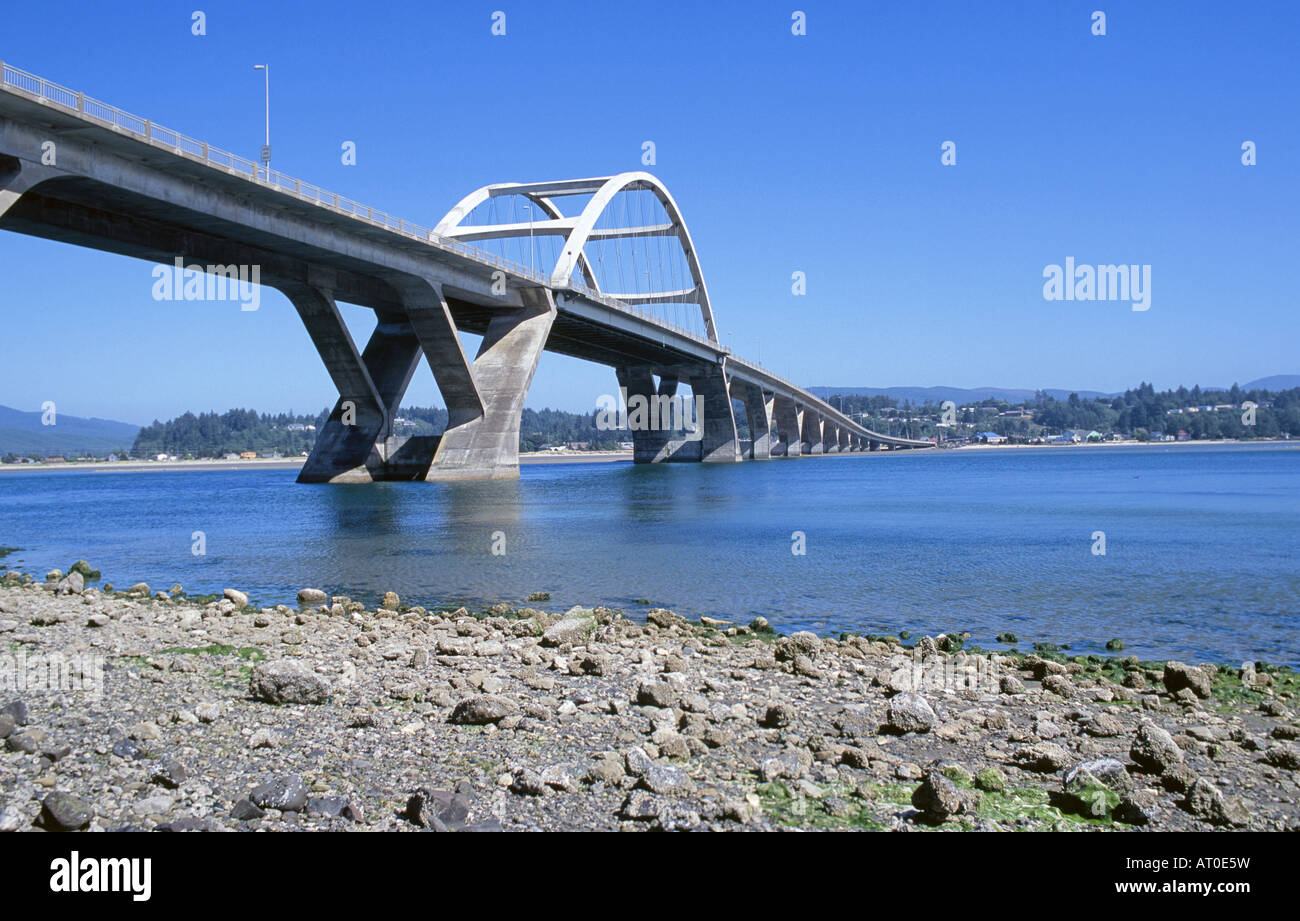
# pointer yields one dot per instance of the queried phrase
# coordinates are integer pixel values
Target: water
(1202, 543)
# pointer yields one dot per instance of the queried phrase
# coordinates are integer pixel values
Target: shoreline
(332, 715)
(280, 463)
(1217, 442)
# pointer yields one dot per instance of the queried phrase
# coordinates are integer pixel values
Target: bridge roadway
(80, 171)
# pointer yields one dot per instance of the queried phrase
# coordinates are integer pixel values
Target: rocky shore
(148, 710)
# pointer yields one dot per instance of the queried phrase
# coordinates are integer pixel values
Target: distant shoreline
(1204, 442)
(280, 463)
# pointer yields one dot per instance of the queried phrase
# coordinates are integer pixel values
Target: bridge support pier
(789, 427)
(482, 437)
(652, 445)
(758, 413)
(356, 443)
(830, 438)
(719, 442)
(811, 433)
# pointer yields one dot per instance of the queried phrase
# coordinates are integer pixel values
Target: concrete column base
(486, 447)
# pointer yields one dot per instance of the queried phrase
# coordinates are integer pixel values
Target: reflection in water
(1201, 542)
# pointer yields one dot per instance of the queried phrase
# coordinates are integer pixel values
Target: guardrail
(143, 129)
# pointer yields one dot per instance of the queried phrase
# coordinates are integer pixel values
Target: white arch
(582, 228)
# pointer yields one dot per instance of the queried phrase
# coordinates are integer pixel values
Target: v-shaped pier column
(482, 437)
(353, 447)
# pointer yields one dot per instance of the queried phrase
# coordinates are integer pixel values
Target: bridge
(77, 170)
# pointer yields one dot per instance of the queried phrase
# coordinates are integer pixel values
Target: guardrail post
(205, 152)
(81, 102)
(148, 130)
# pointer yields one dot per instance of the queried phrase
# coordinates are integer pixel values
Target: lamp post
(266, 151)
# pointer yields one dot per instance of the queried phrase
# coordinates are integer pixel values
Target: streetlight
(266, 151)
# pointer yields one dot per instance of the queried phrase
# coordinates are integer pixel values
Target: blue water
(1202, 543)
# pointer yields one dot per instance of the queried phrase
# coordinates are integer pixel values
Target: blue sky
(816, 153)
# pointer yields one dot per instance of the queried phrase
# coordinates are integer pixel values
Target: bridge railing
(95, 111)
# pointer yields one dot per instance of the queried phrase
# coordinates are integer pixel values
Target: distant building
(248, 455)
(992, 438)
(56, 460)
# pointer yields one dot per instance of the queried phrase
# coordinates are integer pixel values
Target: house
(1183, 436)
(56, 460)
(248, 455)
(992, 438)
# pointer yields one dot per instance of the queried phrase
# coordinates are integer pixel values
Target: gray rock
(637, 761)
(1179, 675)
(658, 694)
(239, 598)
(1206, 801)
(285, 681)
(528, 782)
(1154, 749)
(7, 725)
(909, 712)
(168, 772)
(286, 793)
(64, 812)
(1010, 684)
(483, 709)
(665, 780)
(17, 710)
(245, 810)
(778, 716)
(72, 583)
(1044, 757)
(1103, 726)
(312, 597)
(939, 798)
(1137, 808)
(571, 631)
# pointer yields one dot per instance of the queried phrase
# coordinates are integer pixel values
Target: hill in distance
(22, 433)
(960, 395)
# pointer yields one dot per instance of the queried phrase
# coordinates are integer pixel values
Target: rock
(1095, 788)
(239, 598)
(207, 712)
(1060, 685)
(391, 601)
(1286, 757)
(778, 716)
(665, 780)
(246, 810)
(991, 780)
(1206, 801)
(791, 764)
(664, 618)
(64, 812)
(17, 710)
(658, 694)
(140, 588)
(1154, 749)
(1137, 808)
(98, 620)
(1178, 778)
(637, 761)
(939, 798)
(1010, 684)
(6, 725)
(440, 810)
(1044, 757)
(909, 712)
(1179, 675)
(569, 631)
(28, 743)
(607, 771)
(1103, 726)
(528, 782)
(312, 597)
(168, 772)
(483, 709)
(72, 583)
(285, 681)
(286, 793)
(128, 749)
(802, 643)
(12, 819)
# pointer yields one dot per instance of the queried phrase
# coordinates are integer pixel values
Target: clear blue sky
(818, 153)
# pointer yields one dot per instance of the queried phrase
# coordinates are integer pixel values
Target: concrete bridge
(78, 170)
